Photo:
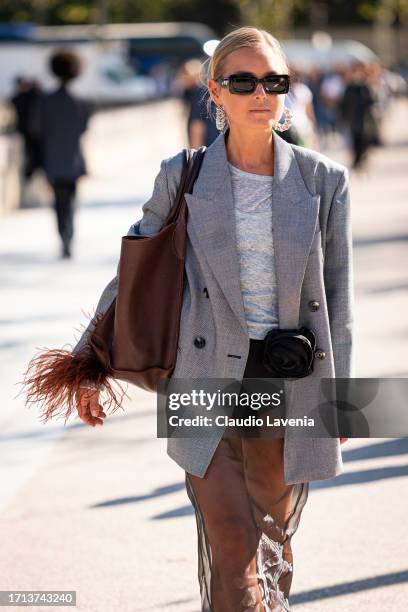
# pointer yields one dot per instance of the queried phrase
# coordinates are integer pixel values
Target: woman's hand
(343, 440)
(89, 409)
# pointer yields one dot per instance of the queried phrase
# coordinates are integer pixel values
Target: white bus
(123, 63)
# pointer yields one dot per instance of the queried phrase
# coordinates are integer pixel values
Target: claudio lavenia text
(249, 421)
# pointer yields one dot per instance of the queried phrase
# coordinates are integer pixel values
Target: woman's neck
(251, 152)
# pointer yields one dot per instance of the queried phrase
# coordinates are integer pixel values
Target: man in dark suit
(60, 119)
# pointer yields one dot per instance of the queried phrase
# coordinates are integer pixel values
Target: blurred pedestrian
(59, 121)
(331, 93)
(356, 109)
(201, 124)
(382, 96)
(28, 92)
(299, 100)
(314, 81)
(201, 128)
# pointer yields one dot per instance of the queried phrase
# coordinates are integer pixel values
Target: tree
(273, 15)
(221, 15)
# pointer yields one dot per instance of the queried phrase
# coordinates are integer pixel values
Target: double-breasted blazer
(312, 238)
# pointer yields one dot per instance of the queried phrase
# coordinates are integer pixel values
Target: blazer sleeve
(339, 278)
(155, 212)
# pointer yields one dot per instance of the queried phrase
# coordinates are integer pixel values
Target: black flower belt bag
(289, 353)
(284, 354)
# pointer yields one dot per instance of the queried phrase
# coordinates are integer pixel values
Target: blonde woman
(269, 249)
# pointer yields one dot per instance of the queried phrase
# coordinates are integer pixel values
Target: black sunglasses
(247, 83)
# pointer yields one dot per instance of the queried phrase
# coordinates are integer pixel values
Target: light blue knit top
(253, 217)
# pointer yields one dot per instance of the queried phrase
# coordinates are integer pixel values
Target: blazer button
(199, 342)
(314, 305)
(320, 354)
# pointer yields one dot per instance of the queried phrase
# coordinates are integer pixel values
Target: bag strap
(191, 168)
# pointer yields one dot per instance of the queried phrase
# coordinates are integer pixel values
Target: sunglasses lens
(242, 84)
(276, 84)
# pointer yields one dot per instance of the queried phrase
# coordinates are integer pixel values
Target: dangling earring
(281, 127)
(220, 118)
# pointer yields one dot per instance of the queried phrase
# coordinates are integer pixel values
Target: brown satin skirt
(246, 516)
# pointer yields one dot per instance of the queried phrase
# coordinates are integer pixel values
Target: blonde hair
(246, 36)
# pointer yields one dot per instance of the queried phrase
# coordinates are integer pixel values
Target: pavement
(103, 511)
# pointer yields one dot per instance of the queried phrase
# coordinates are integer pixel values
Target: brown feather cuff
(53, 377)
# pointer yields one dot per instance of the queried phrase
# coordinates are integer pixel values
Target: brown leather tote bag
(136, 339)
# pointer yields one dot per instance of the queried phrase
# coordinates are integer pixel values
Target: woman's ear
(213, 89)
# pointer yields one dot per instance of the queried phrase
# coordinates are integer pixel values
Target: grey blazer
(313, 258)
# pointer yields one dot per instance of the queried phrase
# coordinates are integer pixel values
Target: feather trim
(53, 377)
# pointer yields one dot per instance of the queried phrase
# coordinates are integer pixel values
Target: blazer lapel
(294, 220)
(213, 231)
